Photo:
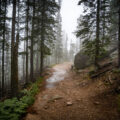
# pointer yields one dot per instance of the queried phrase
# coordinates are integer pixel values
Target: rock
(97, 103)
(78, 100)
(46, 107)
(100, 84)
(77, 84)
(69, 103)
(84, 84)
(81, 60)
(54, 98)
(57, 97)
(45, 97)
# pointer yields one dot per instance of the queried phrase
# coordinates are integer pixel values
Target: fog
(70, 12)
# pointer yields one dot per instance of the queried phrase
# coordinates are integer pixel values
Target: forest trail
(73, 97)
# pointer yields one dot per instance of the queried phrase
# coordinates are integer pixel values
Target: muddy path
(71, 96)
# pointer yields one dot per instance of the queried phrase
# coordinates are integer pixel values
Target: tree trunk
(42, 39)
(16, 64)
(14, 81)
(24, 62)
(27, 17)
(32, 44)
(119, 41)
(97, 34)
(3, 49)
(103, 24)
(0, 61)
(37, 60)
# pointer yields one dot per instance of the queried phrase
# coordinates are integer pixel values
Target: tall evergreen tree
(27, 37)
(14, 79)
(32, 43)
(97, 42)
(3, 44)
(89, 24)
(58, 43)
(34, 26)
(118, 33)
(115, 5)
(48, 10)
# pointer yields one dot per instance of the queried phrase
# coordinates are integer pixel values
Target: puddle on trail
(57, 76)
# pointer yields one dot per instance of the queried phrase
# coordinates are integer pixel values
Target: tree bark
(119, 41)
(3, 48)
(104, 9)
(16, 65)
(97, 34)
(27, 17)
(24, 62)
(32, 44)
(42, 38)
(0, 62)
(14, 81)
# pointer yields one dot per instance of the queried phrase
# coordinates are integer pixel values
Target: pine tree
(3, 35)
(97, 42)
(27, 38)
(14, 79)
(115, 5)
(33, 35)
(119, 36)
(58, 43)
(48, 10)
(94, 21)
(3, 45)
(32, 44)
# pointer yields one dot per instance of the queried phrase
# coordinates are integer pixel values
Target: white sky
(70, 12)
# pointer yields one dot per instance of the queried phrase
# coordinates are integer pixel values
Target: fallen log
(105, 68)
(100, 73)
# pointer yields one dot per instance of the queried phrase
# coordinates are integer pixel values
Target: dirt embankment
(74, 98)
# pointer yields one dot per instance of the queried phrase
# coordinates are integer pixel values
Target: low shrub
(13, 109)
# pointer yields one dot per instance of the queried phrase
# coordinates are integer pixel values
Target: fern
(13, 109)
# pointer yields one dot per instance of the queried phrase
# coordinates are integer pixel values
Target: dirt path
(73, 97)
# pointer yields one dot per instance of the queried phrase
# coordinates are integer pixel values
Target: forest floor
(76, 97)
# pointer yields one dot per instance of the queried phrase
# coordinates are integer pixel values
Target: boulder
(81, 60)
